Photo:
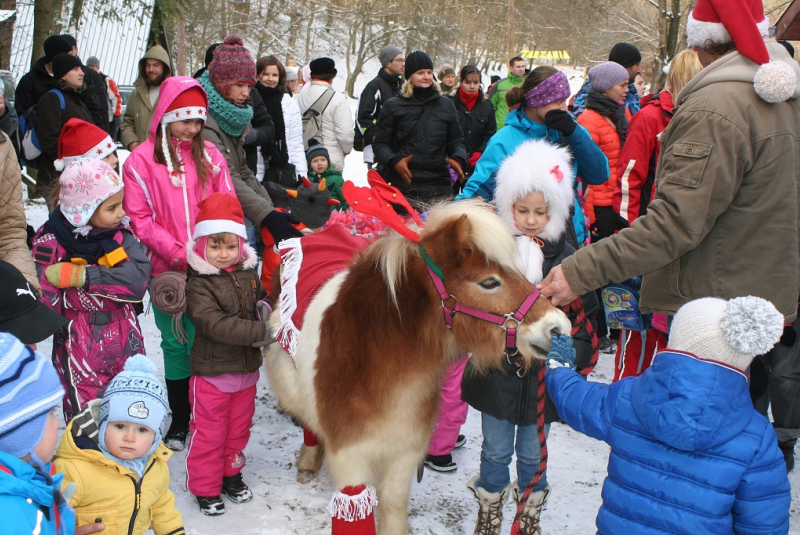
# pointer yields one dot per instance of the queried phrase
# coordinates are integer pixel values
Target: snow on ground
(439, 505)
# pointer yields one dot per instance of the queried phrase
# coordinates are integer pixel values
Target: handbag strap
(425, 110)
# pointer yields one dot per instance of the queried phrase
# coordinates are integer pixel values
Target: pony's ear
(457, 240)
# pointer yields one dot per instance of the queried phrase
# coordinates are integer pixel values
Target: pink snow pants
(218, 432)
(452, 410)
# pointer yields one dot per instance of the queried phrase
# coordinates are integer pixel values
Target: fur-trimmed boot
(490, 508)
(352, 511)
(529, 522)
(309, 460)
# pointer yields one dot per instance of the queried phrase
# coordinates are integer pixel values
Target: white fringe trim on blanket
(291, 260)
(352, 508)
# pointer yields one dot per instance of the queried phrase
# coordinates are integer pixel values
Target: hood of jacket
(25, 480)
(170, 89)
(735, 67)
(76, 445)
(155, 52)
(203, 267)
(691, 404)
(517, 118)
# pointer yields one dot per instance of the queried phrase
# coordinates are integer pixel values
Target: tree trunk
(43, 17)
(6, 34)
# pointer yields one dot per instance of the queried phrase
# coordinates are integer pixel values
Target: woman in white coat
(283, 159)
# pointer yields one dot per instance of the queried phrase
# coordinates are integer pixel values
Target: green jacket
(334, 183)
(139, 112)
(498, 97)
(725, 219)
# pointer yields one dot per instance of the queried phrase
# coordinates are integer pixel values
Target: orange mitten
(66, 275)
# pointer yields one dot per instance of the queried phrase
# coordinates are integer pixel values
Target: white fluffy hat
(729, 332)
(537, 166)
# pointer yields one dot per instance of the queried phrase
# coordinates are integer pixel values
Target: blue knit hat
(29, 390)
(135, 395)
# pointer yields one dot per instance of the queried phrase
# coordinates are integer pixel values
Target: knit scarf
(276, 151)
(97, 247)
(231, 118)
(608, 107)
(468, 100)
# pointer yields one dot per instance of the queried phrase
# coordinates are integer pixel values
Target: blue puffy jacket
(590, 163)
(689, 454)
(28, 499)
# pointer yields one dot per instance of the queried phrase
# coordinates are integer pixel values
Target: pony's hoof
(305, 476)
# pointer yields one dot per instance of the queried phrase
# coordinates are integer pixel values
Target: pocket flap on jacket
(686, 163)
(691, 149)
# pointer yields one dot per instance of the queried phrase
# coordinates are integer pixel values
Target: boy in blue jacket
(689, 454)
(30, 499)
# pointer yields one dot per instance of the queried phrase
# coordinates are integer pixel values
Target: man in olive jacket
(153, 70)
(724, 222)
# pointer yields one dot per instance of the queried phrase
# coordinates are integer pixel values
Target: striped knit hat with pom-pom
(232, 65)
(731, 332)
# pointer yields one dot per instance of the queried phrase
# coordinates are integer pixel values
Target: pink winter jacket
(156, 207)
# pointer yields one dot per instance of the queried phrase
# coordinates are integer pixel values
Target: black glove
(279, 224)
(250, 136)
(560, 120)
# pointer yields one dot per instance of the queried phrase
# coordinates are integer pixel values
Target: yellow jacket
(106, 490)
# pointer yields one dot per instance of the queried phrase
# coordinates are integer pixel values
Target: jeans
(498, 448)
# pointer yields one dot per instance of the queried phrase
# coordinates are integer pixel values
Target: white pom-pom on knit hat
(743, 23)
(729, 332)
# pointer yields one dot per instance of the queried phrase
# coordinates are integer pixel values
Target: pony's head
(475, 252)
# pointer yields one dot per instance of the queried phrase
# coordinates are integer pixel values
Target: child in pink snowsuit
(92, 270)
(223, 295)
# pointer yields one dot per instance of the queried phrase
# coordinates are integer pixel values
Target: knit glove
(473, 160)
(560, 120)
(279, 224)
(562, 353)
(66, 275)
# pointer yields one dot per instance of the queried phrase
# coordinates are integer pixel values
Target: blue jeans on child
(498, 448)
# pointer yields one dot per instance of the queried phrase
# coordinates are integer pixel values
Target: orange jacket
(604, 133)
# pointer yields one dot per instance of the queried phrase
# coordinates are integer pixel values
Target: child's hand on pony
(562, 353)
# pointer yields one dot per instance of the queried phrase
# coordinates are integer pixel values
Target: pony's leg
(309, 460)
(393, 489)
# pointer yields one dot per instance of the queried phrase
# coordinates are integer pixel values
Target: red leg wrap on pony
(352, 510)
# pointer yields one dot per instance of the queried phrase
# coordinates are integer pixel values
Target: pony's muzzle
(535, 338)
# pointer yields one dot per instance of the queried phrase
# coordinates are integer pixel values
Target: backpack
(312, 120)
(29, 146)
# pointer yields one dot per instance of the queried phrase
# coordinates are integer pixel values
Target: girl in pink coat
(166, 177)
(93, 271)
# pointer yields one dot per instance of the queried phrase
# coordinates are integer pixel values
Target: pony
(375, 344)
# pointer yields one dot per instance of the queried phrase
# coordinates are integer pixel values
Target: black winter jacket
(49, 121)
(96, 97)
(375, 94)
(439, 138)
(32, 86)
(264, 126)
(504, 395)
(478, 125)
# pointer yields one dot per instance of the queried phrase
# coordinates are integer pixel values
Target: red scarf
(468, 100)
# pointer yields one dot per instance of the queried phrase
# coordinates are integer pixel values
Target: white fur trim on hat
(218, 226)
(184, 114)
(531, 168)
(698, 32)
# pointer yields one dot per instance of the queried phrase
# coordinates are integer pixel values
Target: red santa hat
(190, 104)
(743, 23)
(82, 140)
(219, 212)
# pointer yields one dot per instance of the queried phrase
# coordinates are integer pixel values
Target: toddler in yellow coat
(112, 451)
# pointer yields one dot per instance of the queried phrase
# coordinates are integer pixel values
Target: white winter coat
(337, 121)
(293, 121)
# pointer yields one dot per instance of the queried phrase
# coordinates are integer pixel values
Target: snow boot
(529, 522)
(211, 505)
(490, 508)
(236, 489)
(353, 511)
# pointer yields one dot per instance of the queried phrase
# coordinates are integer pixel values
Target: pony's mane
(490, 235)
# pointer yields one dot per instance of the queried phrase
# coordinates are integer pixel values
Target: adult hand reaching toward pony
(402, 169)
(556, 288)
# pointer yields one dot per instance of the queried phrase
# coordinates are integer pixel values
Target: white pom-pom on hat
(751, 325)
(728, 332)
(775, 82)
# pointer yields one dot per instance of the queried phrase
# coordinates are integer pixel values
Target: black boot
(787, 448)
(178, 395)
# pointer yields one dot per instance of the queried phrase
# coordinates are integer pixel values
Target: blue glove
(562, 354)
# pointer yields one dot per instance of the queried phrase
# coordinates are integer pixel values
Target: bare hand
(402, 169)
(2, 106)
(457, 168)
(556, 288)
(90, 528)
(133, 145)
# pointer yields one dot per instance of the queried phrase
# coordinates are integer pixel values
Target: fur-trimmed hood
(203, 267)
(537, 166)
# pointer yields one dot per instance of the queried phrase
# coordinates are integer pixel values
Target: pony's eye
(490, 283)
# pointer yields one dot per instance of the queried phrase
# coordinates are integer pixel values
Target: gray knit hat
(606, 75)
(728, 332)
(387, 54)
